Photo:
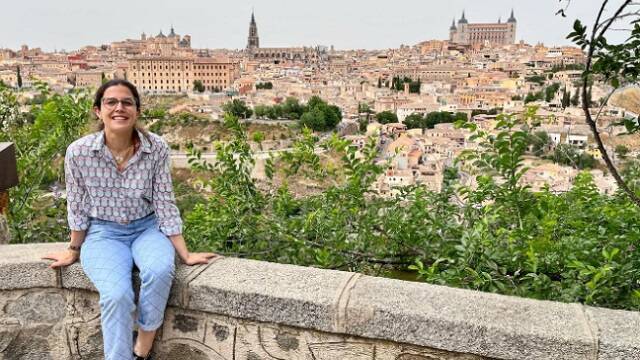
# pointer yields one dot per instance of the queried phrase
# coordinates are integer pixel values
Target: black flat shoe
(137, 357)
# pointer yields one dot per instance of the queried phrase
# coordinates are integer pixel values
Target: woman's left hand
(199, 258)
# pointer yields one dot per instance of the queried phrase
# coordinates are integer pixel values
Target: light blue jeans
(108, 253)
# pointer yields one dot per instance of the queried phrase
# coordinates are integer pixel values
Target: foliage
(566, 154)
(566, 98)
(264, 86)
(397, 83)
(493, 111)
(320, 116)
(576, 247)
(538, 142)
(198, 86)
(386, 117)
(498, 236)
(550, 91)
(10, 117)
(537, 79)
(237, 108)
(37, 211)
(19, 77)
(291, 109)
(617, 64)
(531, 97)
(430, 120)
(622, 151)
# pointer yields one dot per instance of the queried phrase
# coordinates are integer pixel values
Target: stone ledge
(438, 317)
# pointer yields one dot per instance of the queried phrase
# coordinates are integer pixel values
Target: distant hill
(628, 99)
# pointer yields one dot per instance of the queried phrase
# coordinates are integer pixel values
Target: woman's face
(118, 110)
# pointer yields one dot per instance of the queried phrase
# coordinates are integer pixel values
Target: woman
(121, 211)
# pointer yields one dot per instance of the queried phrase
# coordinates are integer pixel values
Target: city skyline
(377, 25)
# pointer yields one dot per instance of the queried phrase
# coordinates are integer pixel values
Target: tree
(539, 142)
(331, 115)
(550, 92)
(198, 86)
(492, 111)
(260, 111)
(414, 87)
(415, 121)
(531, 97)
(566, 154)
(237, 108)
(566, 98)
(103, 78)
(19, 77)
(266, 85)
(621, 151)
(441, 117)
(314, 119)
(274, 112)
(292, 109)
(616, 64)
(575, 99)
(537, 79)
(386, 117)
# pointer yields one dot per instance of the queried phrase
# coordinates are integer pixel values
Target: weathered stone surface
(618, 332)
(4, 230)
(22, 268)
(32, 344)
(222, 337)
(73, 277)
(183, 276)
(269, 292)
(243, 309)
(37, 306)
(467, 321)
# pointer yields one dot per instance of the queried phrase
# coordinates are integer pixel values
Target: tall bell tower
(253, 42)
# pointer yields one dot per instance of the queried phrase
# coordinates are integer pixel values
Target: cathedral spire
(512, 18)
(463, 19)
(453, 24)
(253, 41)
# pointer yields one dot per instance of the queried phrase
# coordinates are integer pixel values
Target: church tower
(253, 42)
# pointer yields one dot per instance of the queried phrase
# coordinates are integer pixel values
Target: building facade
(280, 55)
(164, 75)
(475, 34)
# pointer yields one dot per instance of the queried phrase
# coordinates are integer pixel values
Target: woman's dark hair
(97, 102)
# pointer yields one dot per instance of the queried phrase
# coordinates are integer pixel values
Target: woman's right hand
(62, 258)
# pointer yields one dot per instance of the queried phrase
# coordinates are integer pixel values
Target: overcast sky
(346, 24)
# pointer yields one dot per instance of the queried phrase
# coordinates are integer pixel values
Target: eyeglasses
(112, 103)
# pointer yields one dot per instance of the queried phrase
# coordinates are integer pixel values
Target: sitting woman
(122, 211)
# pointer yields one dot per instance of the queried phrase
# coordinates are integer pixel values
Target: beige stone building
(178, 74)
(88, 78)
(9, 77)
(475, 34)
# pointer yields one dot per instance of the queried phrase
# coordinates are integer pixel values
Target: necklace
(120, 157)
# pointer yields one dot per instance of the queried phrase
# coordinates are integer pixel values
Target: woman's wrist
(74, 248)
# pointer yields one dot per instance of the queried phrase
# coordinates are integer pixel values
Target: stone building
(280, 55)
(88, 78)
(177, 74)
(159, 45)
(474, 34)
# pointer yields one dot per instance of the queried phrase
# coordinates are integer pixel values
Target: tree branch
(585, 101)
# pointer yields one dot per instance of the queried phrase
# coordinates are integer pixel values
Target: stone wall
(4, 229)
(244, 309)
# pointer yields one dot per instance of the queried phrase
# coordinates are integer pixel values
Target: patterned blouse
(96, 189)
